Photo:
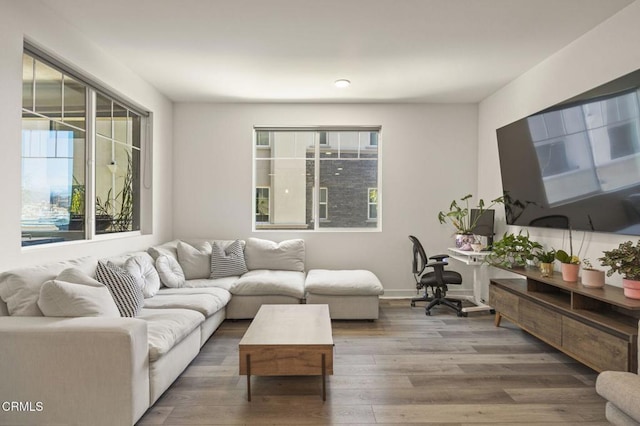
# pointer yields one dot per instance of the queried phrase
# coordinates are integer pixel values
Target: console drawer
(504, 302)
(540, 321)
(596, 348)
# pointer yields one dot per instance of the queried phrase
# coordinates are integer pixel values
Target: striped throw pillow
(123, 287)
(227, 262)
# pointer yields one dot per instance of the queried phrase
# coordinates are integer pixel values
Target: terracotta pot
(631, 288)
(593, 278)
(546, 269)
(570, 272)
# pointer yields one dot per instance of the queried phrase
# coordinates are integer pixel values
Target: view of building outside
(324, 176)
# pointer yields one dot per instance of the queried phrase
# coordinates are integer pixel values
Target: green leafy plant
(546, 256)
(513, 250)
(118, 208)
(565, 257)
(459, 213)
(624, 260)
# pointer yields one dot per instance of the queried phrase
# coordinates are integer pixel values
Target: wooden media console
(596, 326)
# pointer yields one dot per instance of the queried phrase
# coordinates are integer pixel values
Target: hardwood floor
(405, 368)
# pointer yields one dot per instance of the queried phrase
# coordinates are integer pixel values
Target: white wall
(608, 51)
(428, 158)
(28, 18)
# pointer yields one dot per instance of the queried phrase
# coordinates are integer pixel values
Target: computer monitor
(484, 224)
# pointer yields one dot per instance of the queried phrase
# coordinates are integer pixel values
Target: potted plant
(591, 277)
(570, 265)
(513, 250)
(546, 259)
(459, 216)
(625, 260)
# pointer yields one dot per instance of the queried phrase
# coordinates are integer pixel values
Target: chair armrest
(436, 265)
(438, 269)
(622, 390)
(439, 257)
(80, 370)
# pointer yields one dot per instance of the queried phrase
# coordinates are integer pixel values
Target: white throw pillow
(285, 256)
(195, 261)
(227, 262)
(75, 294)
(142, 269)
(170, 272)
(20, 287)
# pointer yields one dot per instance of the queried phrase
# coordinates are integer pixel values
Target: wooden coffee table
(288, 340)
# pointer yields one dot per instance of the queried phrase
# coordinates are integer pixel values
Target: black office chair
(436, 280)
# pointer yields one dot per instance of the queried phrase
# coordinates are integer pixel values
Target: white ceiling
(293, 50)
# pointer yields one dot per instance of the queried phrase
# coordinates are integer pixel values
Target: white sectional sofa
(104, 369)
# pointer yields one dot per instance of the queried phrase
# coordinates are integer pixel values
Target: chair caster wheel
(427, 313)
(413, 304)
(492, 311)
(462, 314)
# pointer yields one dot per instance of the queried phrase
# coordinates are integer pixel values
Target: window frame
(315, 220)
(92, 89)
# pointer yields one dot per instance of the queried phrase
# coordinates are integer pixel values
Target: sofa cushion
(75, 294)
(227, 262)
(168, 249)
(195, 260)
(215, 291)
(264, 282)
(224, 283)
(168, 327)
(121, 259)
(284, 256)
(126, 293)
(355, 282)
(621, 389)
(206, 304)
(20, 287)
(142, 269)
(170, 271)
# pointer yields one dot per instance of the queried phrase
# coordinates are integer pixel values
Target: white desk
(475, 259)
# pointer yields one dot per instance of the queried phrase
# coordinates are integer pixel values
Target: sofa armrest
(622, 389)
(73, 370)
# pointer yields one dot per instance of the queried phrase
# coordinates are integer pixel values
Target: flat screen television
(577, 163)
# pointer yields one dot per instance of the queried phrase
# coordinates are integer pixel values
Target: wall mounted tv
(577, 163)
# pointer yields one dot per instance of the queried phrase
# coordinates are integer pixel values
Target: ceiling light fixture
(342, 83)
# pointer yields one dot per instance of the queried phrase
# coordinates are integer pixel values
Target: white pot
(593, 278)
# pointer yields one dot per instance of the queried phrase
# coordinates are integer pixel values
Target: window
(322, 205)
(67, 160)
(372, 204)
(263, 139)
(262, 205)
(302, 166)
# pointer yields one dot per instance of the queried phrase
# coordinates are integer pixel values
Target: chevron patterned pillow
(123, 287)
(227, 262)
